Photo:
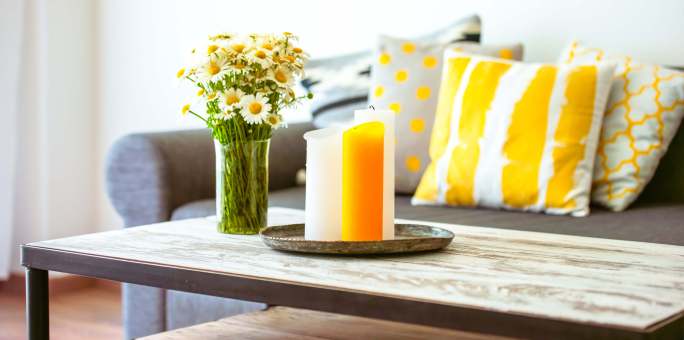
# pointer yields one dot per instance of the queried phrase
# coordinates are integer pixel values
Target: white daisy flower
(208, 47)
(202, 53)
(230, 99)
(254, 108)
(208, 96)
(212, 69)
(239, 44)
(282, 76)
(212, 48)
(295, 55)
(289, 95)
(262, 57)
(228, 114)
(268, 42)
(274, 120)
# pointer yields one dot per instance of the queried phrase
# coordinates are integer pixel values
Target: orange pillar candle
(362, 182)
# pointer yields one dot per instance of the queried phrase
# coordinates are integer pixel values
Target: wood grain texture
(623, 284)
(293, 323)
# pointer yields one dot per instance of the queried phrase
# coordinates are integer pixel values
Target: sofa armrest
(151, 174)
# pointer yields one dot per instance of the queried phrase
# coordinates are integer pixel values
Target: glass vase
(242, 186)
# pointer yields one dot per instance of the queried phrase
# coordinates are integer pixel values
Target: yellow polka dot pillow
(515, 135)
(644, 110)
(405, 77)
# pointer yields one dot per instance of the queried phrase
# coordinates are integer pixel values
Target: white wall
(11, 33)
(142, 43)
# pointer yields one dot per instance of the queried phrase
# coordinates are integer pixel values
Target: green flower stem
(196, 115)
(242, 176)
(242, 186)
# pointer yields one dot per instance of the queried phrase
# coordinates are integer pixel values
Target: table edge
(319, 297)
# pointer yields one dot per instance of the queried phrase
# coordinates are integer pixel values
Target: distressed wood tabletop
(625, 284)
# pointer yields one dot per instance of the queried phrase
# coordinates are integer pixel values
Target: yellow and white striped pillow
(515, 135)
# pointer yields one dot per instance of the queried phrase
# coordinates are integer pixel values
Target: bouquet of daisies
(243, 83)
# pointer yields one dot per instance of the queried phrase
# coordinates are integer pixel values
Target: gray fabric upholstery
(143, 310)
(149, 175)
(667, 184)
(186, 309)
(659, 223)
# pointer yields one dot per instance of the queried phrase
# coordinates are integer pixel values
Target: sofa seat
(658, 223)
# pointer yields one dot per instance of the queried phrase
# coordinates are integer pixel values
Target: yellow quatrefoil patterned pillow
(515, 135)
(644, 111)
(405, 78)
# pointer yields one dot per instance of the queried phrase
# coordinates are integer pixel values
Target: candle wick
(371, 107)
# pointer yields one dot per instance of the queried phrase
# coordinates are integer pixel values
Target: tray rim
(447, 238)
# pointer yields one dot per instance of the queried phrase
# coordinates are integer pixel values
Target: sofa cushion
(658, 223)
(642, 116)
(514, 135)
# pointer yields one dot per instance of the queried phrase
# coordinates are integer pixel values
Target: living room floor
(85, 313)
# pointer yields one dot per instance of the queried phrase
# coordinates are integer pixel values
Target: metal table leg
(37, 316)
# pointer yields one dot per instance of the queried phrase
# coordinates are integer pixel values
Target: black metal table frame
(39, 260)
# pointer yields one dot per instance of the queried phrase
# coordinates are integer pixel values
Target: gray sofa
(155, 177)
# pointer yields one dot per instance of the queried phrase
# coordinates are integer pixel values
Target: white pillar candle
(323, 218)
(387, 118)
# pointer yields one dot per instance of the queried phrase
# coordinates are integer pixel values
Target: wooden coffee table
(491, 281)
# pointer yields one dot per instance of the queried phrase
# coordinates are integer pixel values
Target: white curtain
(11, 31)
(47, 123)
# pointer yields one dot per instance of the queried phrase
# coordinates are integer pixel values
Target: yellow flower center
(213, 69)
(240, 65)
(280, 77)
(238, 47)
(273, 120)
(200, 92)
(255, 108)
(290, 58)
(180, 73)
(211, 96)
(185, 109)
(211, 49)
(260, 54)
(267, 46)
(297, 50)
(231, 99)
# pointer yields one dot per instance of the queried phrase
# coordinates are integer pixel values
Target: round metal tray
(409, 238)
